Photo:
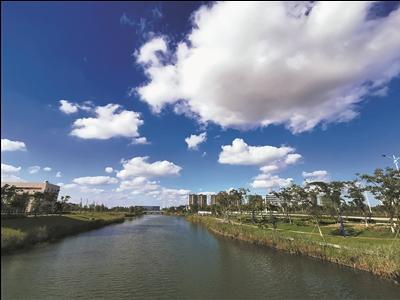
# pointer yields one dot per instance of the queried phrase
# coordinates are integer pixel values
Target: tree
(8, 193)
(309, 196)
(332, 191)
(20, 202)
(12, 199)
(224, 201)
(256, 203)
(355, 193)
(385, 186)
(37, 202)
(286, 197)
(236, 198)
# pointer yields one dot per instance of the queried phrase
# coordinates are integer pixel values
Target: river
(162, 257)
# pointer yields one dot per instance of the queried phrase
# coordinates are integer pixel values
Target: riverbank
(24, 232)
(378, 256)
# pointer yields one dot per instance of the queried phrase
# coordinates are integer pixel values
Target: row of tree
(15, 201)
(319, 198)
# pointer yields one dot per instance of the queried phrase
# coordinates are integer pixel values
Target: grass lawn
(22, 232)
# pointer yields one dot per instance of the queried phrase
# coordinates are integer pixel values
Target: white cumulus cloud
(139, 184)
(10, 172)
(9, 169)
(194, 141)
(95, 180)
(140, 141)
(34, 169)
(138, 166)
(68, 107)
(110, 121)
(109, 170)
(47, 169)
(8, 145)
(58, 174)
(270, 182)
(319, 175)
(253, 64)
(272, 158)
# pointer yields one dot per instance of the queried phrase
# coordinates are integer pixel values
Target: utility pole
(395, 160)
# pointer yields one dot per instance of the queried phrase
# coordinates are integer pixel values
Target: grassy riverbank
(23, 232)
(369, 252)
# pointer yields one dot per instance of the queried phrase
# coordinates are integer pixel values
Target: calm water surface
(166, 257)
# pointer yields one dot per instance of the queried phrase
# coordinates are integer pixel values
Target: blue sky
(298, 98)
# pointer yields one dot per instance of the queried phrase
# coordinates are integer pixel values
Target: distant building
(31, 188)
(213, 199)
(273, 200)
(193, 200)
(202, 200)
(199, 200)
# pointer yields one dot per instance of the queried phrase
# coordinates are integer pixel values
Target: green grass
(23, 232)
(371, 251)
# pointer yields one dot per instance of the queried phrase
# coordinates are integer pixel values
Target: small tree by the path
(286, 197)
(236, 198)
(309, 199)
(13, 199)
(356, 194)
(224, 202)
(333, 191)
(256, 203)
(385, 186)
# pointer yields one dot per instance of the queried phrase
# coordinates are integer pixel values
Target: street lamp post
(395, 160)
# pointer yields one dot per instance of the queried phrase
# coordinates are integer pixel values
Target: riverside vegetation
(310, 220)
(371, 249)
(50, 218)
(22, 231)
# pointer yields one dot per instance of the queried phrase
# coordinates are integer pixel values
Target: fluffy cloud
(8, 145)
(319, 175)
(10, 172)
(11, 178)
(79, 189)
(270, 182)
(67, 186)
(272, 158)
(109, 170)
(110, 121)
(297, 64)
(9, 169)
(138, 166)
(194, 141)
(58, 174)
(34, 169)
(173, 197)
(67, 107)
(47, 169)
(95, 180)
(139, 184)
(168, 196)
(140, 141)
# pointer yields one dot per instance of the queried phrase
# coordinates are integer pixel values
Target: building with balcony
(193, 200)
(213, 199)
(31, 188)
(202, 200)
(199, 200)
